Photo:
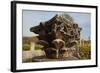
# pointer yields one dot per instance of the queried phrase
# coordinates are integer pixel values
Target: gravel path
(30, 54)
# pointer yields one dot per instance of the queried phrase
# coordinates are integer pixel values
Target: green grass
(28, 60)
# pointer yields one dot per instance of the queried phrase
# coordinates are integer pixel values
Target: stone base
(45, 59)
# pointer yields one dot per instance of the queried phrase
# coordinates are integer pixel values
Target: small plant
(26, 47)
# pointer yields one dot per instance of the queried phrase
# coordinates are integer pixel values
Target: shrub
(26, 47)
(38, 47)
(34, 38)
(85, 51)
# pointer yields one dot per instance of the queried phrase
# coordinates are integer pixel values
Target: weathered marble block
(59, 36)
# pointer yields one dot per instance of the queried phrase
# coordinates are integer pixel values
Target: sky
(32, 18)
